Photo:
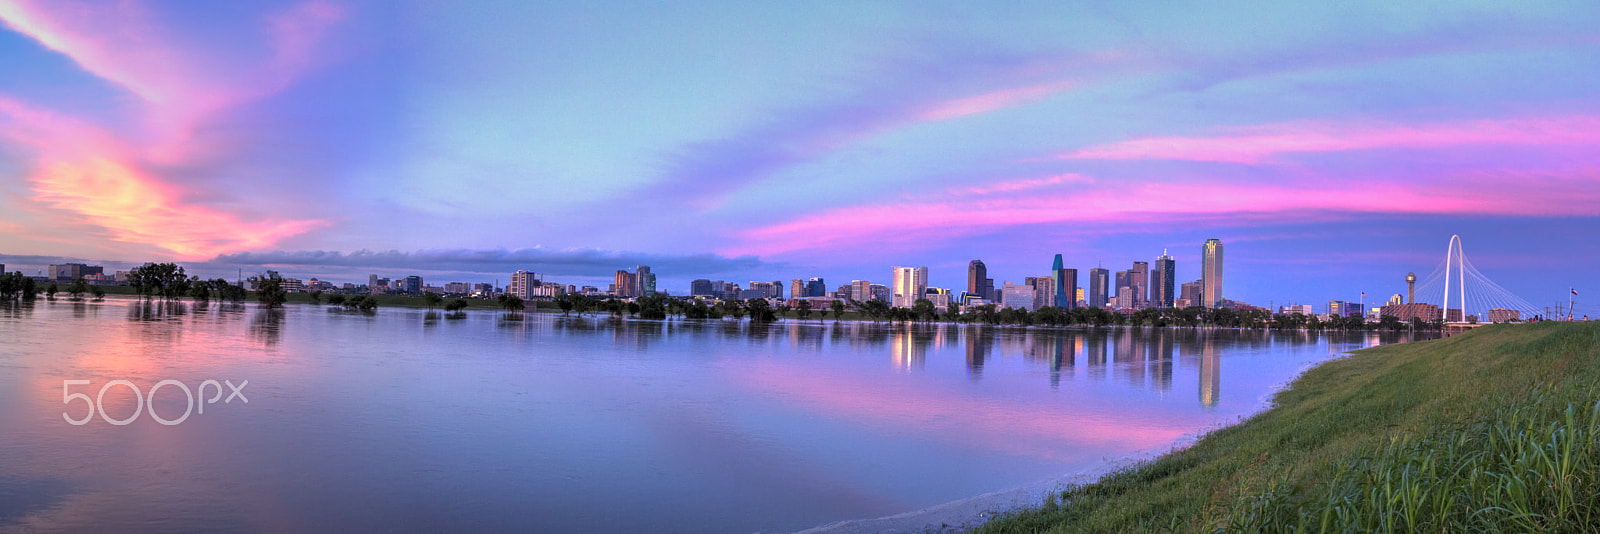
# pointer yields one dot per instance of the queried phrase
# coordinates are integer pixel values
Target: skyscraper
(522, 283)
(1099, 279)
(1211, 273)
(1162, 282)
(909, 283)
(978, 281)
(1139, 280)
(797, 288)
(646, 281)
(860, 290)
(815, 287)
(1066, 284)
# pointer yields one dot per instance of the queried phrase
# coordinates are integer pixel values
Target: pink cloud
(102, 176)
(991, 101)
(1260, 143)
(88, 172)
(1147, 202)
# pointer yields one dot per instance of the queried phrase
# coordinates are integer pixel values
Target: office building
(978, 281)
(879, 292)
(815, 287)
(1044, 289)
(1122, 282)
(702, 288)
(1124, 298)
(411, 285)
(1017, 296)
(1190, 291)
(797, 288)
(861, 290)
(625, 284)
(1162, 281)
(1502, 315)
(522, 284)
(1139, 280)
(72, 271)
(908, 285)
(1302, 309)
(1099, 283)
(646, 281)
(1211, 273)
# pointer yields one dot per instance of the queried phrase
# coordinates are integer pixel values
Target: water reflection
(266, 326)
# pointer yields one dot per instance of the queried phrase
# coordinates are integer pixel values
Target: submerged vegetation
(1496, 430)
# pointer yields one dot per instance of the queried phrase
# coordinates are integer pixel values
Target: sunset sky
(1332, 146)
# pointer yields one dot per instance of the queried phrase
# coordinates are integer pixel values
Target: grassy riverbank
(1492, 430)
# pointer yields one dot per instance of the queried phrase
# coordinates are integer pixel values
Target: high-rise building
(700, 288)
(412, 285)
(646, 281)
(522, 284)
(1139, 280)
(1066, 284)
(1161, 282)
(861, 290)
(1211, 273)
(626, 284)
(372, 281)
(815, 287)
(1099, 282)
(879, 292)
(1044, 289)
(1122, 281)
(978, 281)
(797, 288)
(1190, 291)
(908, 285)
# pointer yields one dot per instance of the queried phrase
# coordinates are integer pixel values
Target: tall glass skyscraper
(1099, 280)
(1162, 281)
(978, 282)
(1066, 282)
(1211, 273)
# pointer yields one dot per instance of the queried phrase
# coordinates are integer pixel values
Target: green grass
(1494, 430)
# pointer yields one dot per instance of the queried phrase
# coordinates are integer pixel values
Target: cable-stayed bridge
(1465, 295)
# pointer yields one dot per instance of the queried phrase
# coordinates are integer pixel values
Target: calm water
(399, 421)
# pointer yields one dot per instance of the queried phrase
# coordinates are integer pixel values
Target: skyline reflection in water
(403, 420)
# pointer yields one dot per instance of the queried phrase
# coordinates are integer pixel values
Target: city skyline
(338, 139)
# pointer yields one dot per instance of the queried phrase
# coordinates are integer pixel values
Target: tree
(760, 311)
(316, 296)
(838, 309)
(653, 306)
(432, 299)
(270, 292)
(199, 290)
(227, 291)
(50, 292)
(99, 294)
(456, 305)
(336, 299)
(923, 310)
(804, 309)
(565, 303)
(78, 288)
(511, 303)
(365, 303)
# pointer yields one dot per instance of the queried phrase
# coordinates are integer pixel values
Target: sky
(1331, 146)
